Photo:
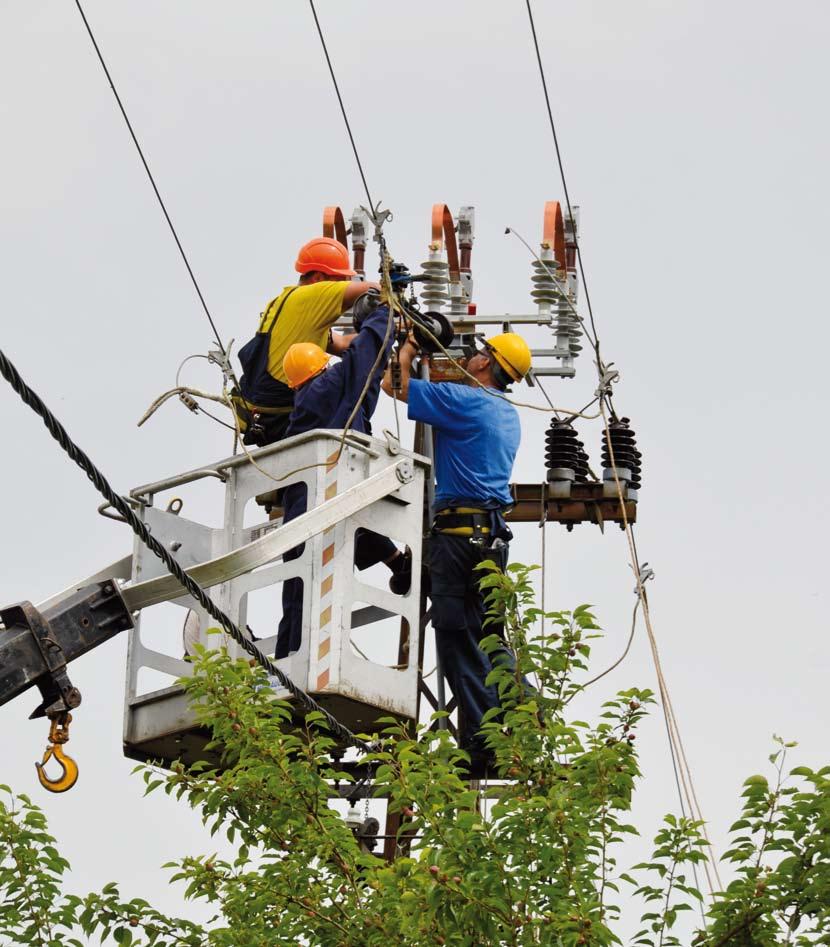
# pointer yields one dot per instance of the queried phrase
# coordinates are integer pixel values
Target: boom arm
(35, 646)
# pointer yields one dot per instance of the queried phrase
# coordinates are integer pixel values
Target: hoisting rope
(152, 180)
(682, 770)
(101, 484)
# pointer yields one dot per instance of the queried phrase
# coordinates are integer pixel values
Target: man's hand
(406, 353)
(339, 342)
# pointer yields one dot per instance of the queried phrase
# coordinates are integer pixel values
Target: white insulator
(459, 304)
(567, 329)
(549, 295)
(435, 293)
(546, 291)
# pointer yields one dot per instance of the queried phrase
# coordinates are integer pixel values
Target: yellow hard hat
(303, 361)
(512, 353)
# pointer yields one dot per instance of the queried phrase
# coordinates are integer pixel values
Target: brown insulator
(562, 451)
(625, 453)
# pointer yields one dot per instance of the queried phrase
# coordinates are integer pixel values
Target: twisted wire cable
(30, 398)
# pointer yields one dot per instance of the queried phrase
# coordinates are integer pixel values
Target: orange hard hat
(324, 255)
(303, 361)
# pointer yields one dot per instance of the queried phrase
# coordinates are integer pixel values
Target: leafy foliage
(532, 859)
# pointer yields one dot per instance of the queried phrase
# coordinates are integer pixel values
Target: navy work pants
(458, 613)
(369, 549)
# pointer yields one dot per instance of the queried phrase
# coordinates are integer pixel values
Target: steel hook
(58, 735)
(68, 766)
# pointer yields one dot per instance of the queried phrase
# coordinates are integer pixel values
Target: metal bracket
(607, 376)
(59, 694)
(223, 360)
(393, 445)
(379, 218)
(405, 471)
(646, 573)
(35, 646)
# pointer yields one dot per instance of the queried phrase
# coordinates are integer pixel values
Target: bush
(536, 864)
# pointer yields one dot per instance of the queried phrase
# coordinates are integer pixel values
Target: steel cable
(152, 180)
(678, 755)
(101, 484)
(561, 170)
(342, 106)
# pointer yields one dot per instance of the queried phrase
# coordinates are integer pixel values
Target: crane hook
(58, 735)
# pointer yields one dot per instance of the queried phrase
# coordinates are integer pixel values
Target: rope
(152, 181)
(99, 481)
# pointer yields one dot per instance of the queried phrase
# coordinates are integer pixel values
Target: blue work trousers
(458, 613)
(369, 549)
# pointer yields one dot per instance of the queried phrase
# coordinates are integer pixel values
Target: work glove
(364, 306)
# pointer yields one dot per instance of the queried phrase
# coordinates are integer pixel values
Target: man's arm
(339, 342)
(406, 354)
(354, 291)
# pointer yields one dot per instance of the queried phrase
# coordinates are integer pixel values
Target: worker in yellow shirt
(302, 313)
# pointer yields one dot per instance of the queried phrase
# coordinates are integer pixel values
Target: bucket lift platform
(374, 485)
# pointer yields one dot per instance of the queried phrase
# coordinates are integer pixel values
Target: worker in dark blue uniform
(476, 437)
(324, 397)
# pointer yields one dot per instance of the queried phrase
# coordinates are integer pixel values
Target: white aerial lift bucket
(375, 485)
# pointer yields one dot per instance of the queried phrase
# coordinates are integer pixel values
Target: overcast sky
(694, 136)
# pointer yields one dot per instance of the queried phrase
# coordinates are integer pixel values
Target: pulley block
(432, 330)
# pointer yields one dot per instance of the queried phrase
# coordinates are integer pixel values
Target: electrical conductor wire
(561, 169)
(679, 760)
(342, 106)
(153, 182)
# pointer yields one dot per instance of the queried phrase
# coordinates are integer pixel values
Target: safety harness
(467, 521)
(260, 424)
(480, 526)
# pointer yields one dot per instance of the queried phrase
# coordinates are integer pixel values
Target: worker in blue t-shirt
(324, 397)
(476, 437)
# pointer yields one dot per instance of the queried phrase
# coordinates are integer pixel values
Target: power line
(342, 106)
(102, 485)
(152, 180)
(680, 763)
(562, 171)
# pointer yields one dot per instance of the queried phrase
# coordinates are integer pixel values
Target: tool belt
(463, 521)
(256, 421)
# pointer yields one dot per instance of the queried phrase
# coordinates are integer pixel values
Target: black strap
(279, 309)
(454, 520)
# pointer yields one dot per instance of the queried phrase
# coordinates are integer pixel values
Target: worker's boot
(401, 579)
